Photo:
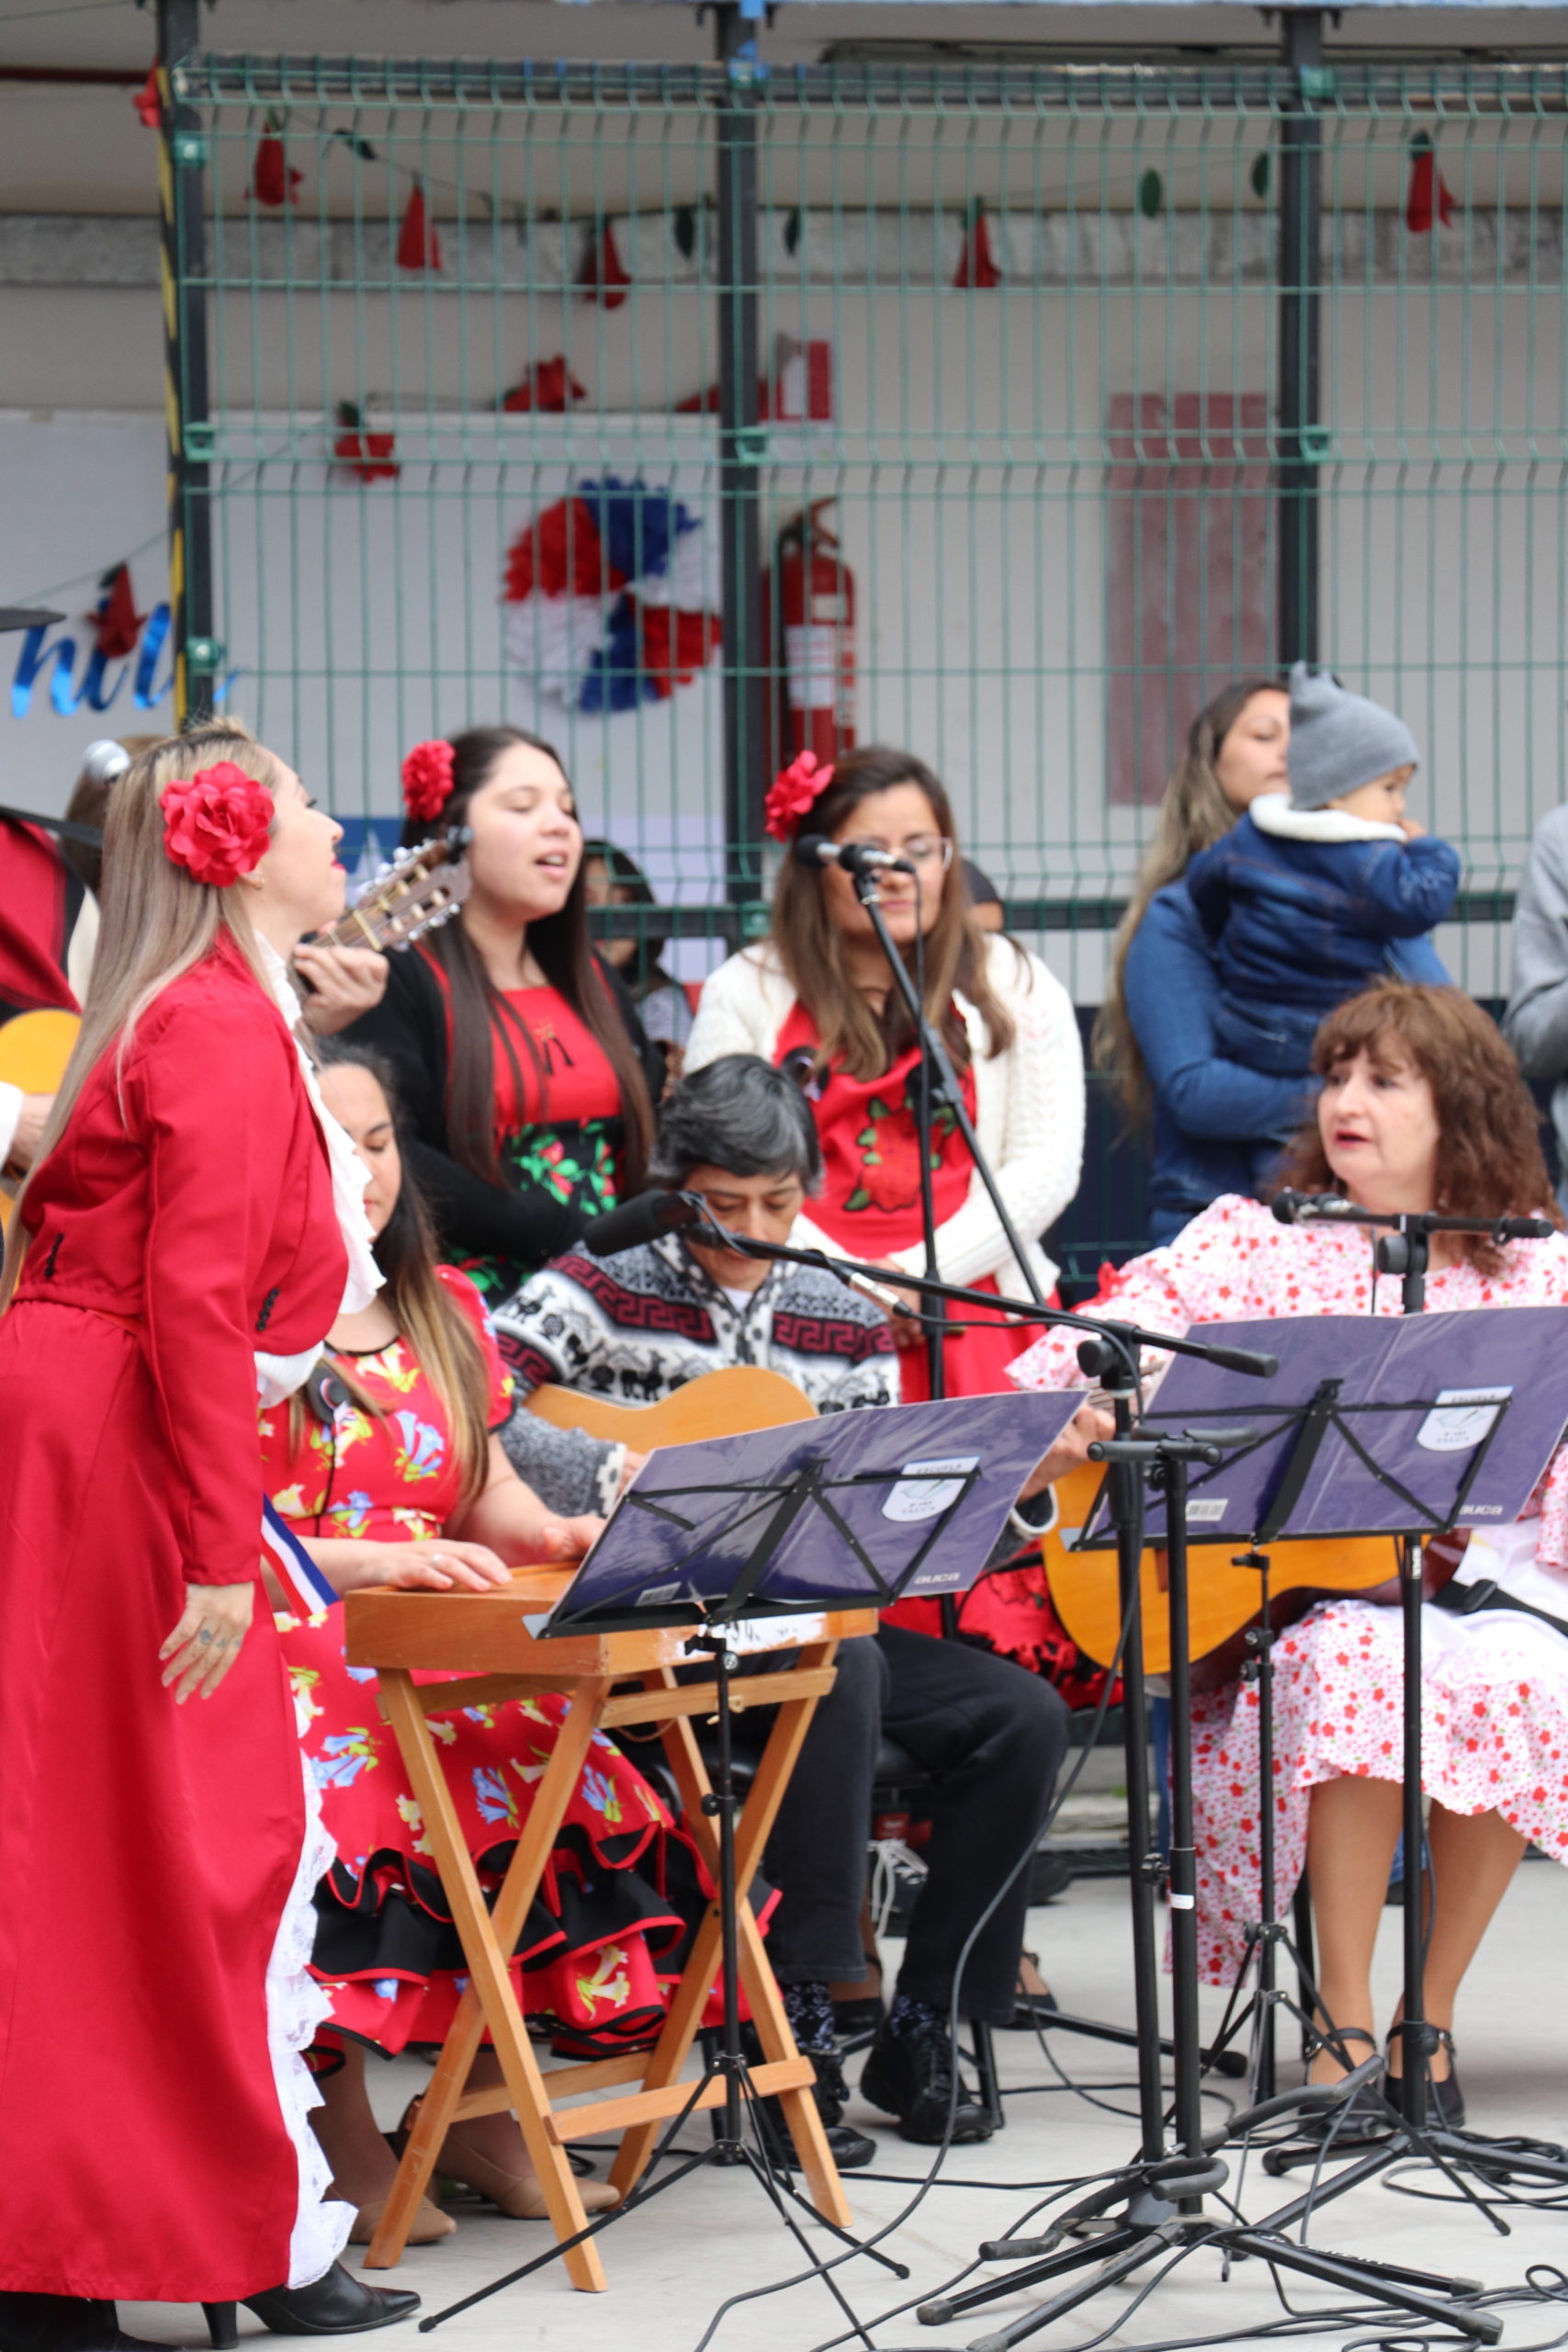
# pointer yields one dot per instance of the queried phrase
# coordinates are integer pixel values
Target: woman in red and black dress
(395, 1476)
(518, 1053)
(155, 1847)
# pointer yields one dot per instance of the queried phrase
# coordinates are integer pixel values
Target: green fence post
(1301, 219)
(182, 154)
(740, 452)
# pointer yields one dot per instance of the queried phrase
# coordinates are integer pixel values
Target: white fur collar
(1271, 813)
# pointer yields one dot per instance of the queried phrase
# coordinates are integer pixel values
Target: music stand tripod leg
(1266, 1937)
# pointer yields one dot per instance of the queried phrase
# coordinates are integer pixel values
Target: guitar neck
(420, 888)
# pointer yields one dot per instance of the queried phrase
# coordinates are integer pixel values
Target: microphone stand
(937, 1082)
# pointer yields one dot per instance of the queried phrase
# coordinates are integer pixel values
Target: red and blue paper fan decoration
(609, 596)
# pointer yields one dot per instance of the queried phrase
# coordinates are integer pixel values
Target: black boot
(910, 2074)
(63, 2323)
(847, 2146)
(337, 2304)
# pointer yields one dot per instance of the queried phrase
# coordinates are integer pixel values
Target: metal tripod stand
(1160, 2194)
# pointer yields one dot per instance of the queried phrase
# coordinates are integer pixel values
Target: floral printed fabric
(1494, 1715)
(590, 1956)
(559, 1123)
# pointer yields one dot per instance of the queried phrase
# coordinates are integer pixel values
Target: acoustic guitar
(1224, 1600)
(716, 1404)
(412, 894)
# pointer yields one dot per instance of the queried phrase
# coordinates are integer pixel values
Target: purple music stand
(1402, 1428)
(1370, 1427)
(856, 1510)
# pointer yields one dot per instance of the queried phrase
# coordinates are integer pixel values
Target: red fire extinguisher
(814, 648)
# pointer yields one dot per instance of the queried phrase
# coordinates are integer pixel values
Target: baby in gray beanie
(1314, 894)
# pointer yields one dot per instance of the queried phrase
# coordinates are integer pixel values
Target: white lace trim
(348, 1171)
(295, 2006)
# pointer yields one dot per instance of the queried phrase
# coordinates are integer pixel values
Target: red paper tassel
(549, 386)
(976, 264)
(117, 624)
(1429, 194)
(419, 247)
(273, 179)
(676, 645)
(370, 453)
(601, 274)
(149, 108)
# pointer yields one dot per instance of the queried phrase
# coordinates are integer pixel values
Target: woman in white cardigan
(817, 993)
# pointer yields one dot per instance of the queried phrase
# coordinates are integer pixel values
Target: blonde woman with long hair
(185, 1212)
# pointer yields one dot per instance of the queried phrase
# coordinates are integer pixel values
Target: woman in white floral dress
(1422, 1108)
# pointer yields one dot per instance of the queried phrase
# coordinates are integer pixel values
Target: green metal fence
(1042, 309)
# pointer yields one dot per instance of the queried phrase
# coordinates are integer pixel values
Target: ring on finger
(205, 1636)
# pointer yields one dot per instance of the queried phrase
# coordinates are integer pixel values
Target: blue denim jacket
(1303, 923)
(1218, 1126)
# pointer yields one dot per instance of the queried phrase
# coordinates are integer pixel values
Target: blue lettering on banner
(97, 689)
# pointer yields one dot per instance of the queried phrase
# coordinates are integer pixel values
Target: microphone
(1332, 1208)
(641, 1220)
(855, 857)
(1247, 1360)
(1305, 1208)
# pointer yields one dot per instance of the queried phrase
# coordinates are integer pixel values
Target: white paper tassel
(554, 639)
(691, 582)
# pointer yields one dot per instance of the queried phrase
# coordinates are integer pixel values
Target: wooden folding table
(611, 1680)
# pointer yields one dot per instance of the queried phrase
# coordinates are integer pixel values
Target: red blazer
(194, 1197)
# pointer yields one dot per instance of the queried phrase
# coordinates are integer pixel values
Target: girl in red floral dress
(398, 1450)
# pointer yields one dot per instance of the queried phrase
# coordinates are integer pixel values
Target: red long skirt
(146, 1854)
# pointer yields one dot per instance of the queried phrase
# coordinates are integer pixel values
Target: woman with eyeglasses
(818, 995)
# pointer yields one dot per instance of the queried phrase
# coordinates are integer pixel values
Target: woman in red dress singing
(518, 1053)
(819, 989)
(395, 1467)
(153, 1841)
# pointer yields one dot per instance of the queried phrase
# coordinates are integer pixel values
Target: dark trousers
(991, 1736)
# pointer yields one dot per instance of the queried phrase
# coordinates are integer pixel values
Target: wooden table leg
(753, 1830)
(490, 2001)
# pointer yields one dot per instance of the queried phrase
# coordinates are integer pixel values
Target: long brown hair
(439, 1335)
(1194, 814)
(810, 945)
(559, 945)
(157, 921)
(1489, 1158)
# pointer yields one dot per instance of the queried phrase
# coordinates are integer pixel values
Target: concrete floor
(671, 2265)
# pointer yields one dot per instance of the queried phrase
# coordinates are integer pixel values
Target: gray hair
(741, 1114)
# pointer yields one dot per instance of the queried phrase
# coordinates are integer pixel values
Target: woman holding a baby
(1283, 876)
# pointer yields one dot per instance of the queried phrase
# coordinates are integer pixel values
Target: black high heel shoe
(1445, 2101)
(1364, 2115)
(335, 2304)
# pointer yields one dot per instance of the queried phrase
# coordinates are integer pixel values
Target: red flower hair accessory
(796, 789)
(427, 780)
(218, 823)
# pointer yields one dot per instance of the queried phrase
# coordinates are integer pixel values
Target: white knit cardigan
(1029, 1103)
